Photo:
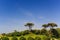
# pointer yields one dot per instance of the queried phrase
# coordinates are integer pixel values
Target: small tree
(45, 26)
(29, 25)
(51, 25)
(3, 34)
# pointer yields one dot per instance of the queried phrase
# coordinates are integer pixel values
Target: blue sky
(15, 13)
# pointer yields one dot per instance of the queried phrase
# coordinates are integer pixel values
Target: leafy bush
(36, 31)
(47, 38)
(5, 38)
(37, 38)
(43, 31)
(22, 38)
(44, 37)
(55, 33)
(14, 38)
(30, 38)
(25, 32)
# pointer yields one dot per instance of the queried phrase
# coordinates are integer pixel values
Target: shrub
(30, 38)
(5, 38)
(52, 38)
(37, 38)
(14, 38)
(25, 32)
(47, 38)
(55, 33)
(43, 31)
(37, 32)
(22, 38)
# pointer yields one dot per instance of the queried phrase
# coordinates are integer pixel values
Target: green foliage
(55, 33)
(30, 38)
(43, 31)
(37, 38)
(5, 38)
(47, 38)
(29, 25)
(25, 32)
(37, 32)
(14, 38)
(44, 37)
(22, 38)
(15, 33)
(3, 34)
(0, 38)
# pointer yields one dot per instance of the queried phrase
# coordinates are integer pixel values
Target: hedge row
(23, 38)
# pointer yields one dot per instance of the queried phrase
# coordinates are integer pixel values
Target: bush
(25, 32)
(22, 38)
(37, 32)
(14, 38)
(37, 38)
(43, 31)
(54, 33)
(30, 38)
(5, 38)
(47, 38)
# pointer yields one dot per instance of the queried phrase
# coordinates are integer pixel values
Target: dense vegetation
(47, 34)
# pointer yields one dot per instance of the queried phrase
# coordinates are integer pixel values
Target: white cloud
(41, 17)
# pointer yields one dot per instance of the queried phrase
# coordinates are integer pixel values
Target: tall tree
(45, 25)
(29, 25)
(52, 31)
(52, 25)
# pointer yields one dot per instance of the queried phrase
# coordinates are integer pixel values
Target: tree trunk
(30, 28)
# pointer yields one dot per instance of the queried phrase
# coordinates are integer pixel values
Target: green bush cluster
(5, 38)
(30, 38)
(22, 38)
(37, 38)
(14, 38)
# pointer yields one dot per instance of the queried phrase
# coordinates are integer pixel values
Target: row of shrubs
(23, 38)
(51, 33)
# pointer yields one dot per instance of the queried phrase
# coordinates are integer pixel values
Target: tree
(45, 25)
(3, 34)
(29, 25)
(52, 25)
(52, 31)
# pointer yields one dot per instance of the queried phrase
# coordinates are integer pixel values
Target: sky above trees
(15, 13)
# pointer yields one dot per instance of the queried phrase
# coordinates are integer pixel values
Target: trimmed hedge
(5, 38)
(22, 38)
(30, 38)
(37, 38)
(14, 38)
